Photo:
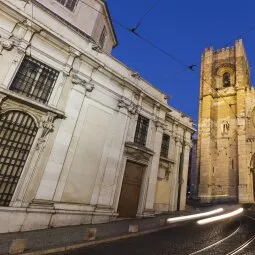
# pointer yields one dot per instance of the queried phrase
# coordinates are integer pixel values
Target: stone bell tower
(221, 153)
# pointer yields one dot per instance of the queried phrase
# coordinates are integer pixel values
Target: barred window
(69, 4)
(103, 38)
(35, 80)
(165, 145)
(17, 133)
(141, 130)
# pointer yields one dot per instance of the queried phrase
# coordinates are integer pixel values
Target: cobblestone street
(221, 238)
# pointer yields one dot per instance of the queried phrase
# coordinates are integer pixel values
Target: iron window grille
(35, 80)
(69, 4)
(141, 130)
(17, 133)
(103, 38)
(165, 146)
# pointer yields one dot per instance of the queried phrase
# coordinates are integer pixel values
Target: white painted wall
(76, 174)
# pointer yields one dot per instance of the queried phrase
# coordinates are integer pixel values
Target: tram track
(244, 245)
(237, 250)
(218, 242)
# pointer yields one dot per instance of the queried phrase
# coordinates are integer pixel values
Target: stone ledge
(139, 147)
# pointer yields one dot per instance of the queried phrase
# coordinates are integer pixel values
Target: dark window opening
(141, 130)
(35, 80)
(165, 146)
(69, 4)
(17, 133)
(102, 38)
(226, 79)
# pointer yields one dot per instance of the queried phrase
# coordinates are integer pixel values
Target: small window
(69, 4)
(226, 80)
(141, 130)
(102, 38)
(35, 80)
(165, 146)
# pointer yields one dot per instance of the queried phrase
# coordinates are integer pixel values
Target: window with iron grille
(69, 4)
(17, 133)
(165, 145)
(103, 38)
(35, 80)
(141, 130)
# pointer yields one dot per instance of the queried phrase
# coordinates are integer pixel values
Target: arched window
(226, 79)
(17, 133)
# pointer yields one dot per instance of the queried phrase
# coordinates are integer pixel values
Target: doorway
(130, 191)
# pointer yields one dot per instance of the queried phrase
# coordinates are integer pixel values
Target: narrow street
(227, 237)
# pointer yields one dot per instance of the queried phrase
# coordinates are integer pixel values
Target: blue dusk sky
(183, 29)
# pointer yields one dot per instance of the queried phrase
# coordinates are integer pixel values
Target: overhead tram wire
(241, 35)
(236, 38)
(160, 49)
(139, 22)
(225, 45)
(144, 39)
(189, 67)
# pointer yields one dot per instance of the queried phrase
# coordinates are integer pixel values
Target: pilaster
(175, 174)
(63, 139)
(186, 152)
(151, 192)
(242, 178)
(105, 187)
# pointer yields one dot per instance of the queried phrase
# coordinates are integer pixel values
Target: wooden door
(130, 191)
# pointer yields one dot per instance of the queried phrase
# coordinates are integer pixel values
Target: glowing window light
(194, 216)
(220, 217)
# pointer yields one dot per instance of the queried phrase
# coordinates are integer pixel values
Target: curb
(92, 243)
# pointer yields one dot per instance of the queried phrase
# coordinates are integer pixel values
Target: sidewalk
(42, 240)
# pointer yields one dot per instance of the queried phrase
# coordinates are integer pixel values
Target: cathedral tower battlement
(221, 156)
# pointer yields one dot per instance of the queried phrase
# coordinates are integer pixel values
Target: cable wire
(139, 22)
(143, 38)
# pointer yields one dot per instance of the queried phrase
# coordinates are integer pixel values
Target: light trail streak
(220, 217)
(194, 216)
(220, 241)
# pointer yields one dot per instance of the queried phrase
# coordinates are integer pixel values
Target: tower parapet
(224, 79)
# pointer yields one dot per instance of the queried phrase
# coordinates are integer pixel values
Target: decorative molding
(6, 44)
(188, 144)
(73, 54)
(164, 170)
(129, 105)
(138, 154)
(2, 97)
(136, 75)
(82, 82)
(47, 127)
(178, 140)
(96, 47)
(250, 139)
(160, 124)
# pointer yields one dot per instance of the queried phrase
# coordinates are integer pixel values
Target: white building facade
(83, 138)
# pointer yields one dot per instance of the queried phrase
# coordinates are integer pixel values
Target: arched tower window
(17, 133)
(226, 79)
